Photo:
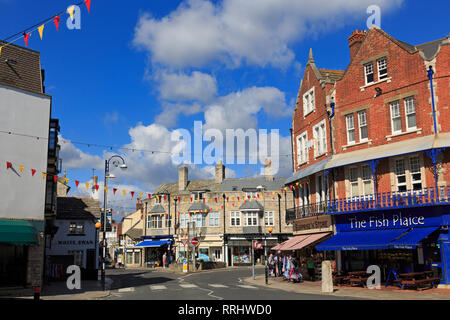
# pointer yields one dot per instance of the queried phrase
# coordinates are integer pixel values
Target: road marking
(158, 287)
(188, 285)
(217, 285)
(246, 286)
(126, 289)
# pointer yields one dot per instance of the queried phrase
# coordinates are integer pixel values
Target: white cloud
(170, 112)
(73, 157)
(182, 87)
(259, 32)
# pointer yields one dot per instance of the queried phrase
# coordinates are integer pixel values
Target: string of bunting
(25, 34)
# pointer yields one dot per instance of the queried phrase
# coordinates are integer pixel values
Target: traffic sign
(194, 242)
(184, 241)
(257, 244)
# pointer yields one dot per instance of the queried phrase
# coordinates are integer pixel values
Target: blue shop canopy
(361, 240)
(412, 238)
(153, 244)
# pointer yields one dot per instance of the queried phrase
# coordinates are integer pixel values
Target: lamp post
(265, 253)
(116, 163)
(175, 199)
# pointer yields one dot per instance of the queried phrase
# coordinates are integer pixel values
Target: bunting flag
(25, 37)
(55, 178)
(165, 197)
(8, 165)
(76, 183)
(33, 172)
(67, 180)
(106, 189)
(88, 5)
(114, 191)
(70, 11)
(43, 175)
(149, 196)
(132, 194)
(1, 51)
(124, 192)
(21, 169)
(56, 21)
(87, 185)
(142, 196)
(96, 187)
(41, 31)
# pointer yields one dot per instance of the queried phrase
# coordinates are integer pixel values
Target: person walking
(270, 264)
(164, 259)
(280, 264)
(311, 271)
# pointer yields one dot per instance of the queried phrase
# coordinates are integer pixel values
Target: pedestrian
(275, 265)
(164, 259)
(311, 271)
(270, 264)
(280, 264)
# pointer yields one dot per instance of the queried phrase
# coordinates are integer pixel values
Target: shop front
(408, 240)
(154, 249)
(240, 249)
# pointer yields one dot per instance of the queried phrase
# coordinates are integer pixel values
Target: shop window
(130, 257)
(416, 178)
(217, 254)
(77, 257)
(251, 219)
(269, 218)
(400, 174)
(235, 218)
(214, 219)
(137, 257)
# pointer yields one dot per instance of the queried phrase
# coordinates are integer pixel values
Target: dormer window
(382, 69)
(368, 71)
(308, 102)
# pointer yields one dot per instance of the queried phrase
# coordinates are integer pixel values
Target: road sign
(194, 242)
(257, 244)
(184, 241)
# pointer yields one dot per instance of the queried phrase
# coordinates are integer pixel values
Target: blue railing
(384, 200)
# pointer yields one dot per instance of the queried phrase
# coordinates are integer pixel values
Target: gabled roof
(251, 205)
(135, 233)
(157, 208)
(77, 208)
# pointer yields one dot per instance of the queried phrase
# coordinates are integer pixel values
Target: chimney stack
(220, 172)
(268, 174)
(182, 178)
(355, 41)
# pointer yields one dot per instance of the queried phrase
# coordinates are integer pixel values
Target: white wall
(62, 243)
(23, 195)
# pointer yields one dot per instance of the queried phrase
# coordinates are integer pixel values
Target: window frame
(366, 74)
(214, 217)
(360, 126)
(347, 116)
(397, 175)
(268, 217)
(320, 136)
(251, 216)
(155, 221)
(236, 215)
(397, 117)
(405, 103)
(385, 76)
(309, 105)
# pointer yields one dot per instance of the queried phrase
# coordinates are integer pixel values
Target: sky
(138, 71)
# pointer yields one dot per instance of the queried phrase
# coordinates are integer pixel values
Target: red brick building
(386, 135)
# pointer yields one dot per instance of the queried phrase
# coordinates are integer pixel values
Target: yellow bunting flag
(87, 185)
(106, 189)
(124, 192)
(1, 51)
(41, 31)
(67, 180)
(44, 175)
(70, 11)
(21, 169)
(142, 196)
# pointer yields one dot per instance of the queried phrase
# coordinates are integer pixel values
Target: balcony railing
(385, 200)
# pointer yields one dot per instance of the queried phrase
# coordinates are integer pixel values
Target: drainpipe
(433, 151)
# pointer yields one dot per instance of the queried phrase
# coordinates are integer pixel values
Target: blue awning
(153, 244)
(412, 238)
(361, 240)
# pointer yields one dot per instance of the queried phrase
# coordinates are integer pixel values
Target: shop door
(90, 259)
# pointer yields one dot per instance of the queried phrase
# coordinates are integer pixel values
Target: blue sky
(138, 70)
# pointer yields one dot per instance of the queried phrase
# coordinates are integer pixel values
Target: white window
(320, 138)
(354, 182)
(214, 219)
(362, 122)
(268, 218)
(235, 218)
(396, 120)
(76, 228)
(350, 128)
(414, 168)
(184, 218)
(308, 102)
(410, 113)
(382, 69)
(251, 218)
(156, 221)
(199, 219)
(400, 174)
(368, 71)
(302, 148)
(217, 253)
(367, 180)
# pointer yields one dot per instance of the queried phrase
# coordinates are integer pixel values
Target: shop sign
(75, 243)
(307, 225)
(257, 244)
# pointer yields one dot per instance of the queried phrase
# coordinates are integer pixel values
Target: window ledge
(388, 138)
(303, 163)
(306, 114)
(320, 155)
(357, 144)
(388, 79)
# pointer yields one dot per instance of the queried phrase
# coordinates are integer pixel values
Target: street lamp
(270, 229)
(115, 163)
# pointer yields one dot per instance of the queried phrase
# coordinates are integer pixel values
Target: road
(206, 285)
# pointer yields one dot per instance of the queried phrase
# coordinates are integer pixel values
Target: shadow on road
(120, 281)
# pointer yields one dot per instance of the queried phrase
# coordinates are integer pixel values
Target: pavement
(389, 293)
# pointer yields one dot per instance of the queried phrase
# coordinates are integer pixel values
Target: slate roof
(157, 208)
(77, 208)
(199, 206)
(193, 185)
(251, 183)
(251, 205)
(331, 76)
(135, 233)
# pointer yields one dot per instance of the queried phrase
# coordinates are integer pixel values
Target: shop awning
(308, 240)
(412, 238)
(287, 243)
(153, 244)
(361, 240)
(17, 232)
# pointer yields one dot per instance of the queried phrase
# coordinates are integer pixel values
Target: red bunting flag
(8, 165)
(132, 194)
(88, 5)
(114, 191)
(233, 204)
(179, 199)
(165, 197)
(149, 196)
(55, 178)
(25, 37)
(96, 187)
(76, 183)
(191, 199)
(33, 172)
(227, 199)
(56, 21)
(238, 198)
(215, 199)
(204, 200)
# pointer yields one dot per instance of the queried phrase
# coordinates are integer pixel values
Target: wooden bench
(420, 284)
(358, 281)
